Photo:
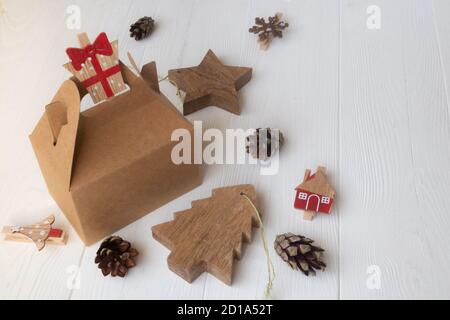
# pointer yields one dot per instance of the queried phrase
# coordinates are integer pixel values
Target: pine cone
(115, 256)
(142, 28)
(299, 253)
(260, 144)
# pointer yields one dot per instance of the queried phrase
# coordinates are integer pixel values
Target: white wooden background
(371, 105)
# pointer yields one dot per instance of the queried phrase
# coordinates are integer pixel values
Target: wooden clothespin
(40, 233)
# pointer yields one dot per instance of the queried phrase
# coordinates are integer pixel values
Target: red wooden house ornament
(314, 194)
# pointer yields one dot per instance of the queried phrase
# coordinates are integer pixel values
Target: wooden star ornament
(211, 83)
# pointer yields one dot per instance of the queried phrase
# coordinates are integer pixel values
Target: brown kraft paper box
(111, 164)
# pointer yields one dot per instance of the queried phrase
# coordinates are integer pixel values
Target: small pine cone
(261, 145)
(142, 28)
(299, 253)
(115, 256)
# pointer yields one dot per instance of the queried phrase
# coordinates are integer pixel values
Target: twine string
(2, 8)
(270, 267)
(179, 92)
(160, 79)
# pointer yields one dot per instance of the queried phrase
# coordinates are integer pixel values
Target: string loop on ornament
(270, 267)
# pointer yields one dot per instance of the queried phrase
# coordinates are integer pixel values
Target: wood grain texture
(211, 83)
(209, 236)
(395, 153)
(282, 94)
(26, 272)
(371, 105)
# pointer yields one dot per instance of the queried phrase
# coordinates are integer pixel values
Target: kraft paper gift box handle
(55, 139)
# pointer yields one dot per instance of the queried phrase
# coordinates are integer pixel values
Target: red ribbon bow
(100, 46)
(79, 56)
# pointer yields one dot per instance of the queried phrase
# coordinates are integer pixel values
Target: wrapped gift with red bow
(97, 66)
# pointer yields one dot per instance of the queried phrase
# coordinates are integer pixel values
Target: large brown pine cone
(142, 28)
(299, 253)
(115, 256)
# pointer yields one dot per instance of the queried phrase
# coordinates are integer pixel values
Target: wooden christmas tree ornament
(314, 194)
(209, 236)
(97, 66)
(40, 233)
(211, 84)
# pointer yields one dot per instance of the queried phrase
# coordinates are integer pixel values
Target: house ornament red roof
(314, 194)
(317, 183)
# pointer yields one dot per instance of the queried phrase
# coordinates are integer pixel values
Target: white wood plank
(430, 132)
(442, 25)
(384, 141)
(294, 87)
(28, 71)
(394, 153)
(151, 279)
